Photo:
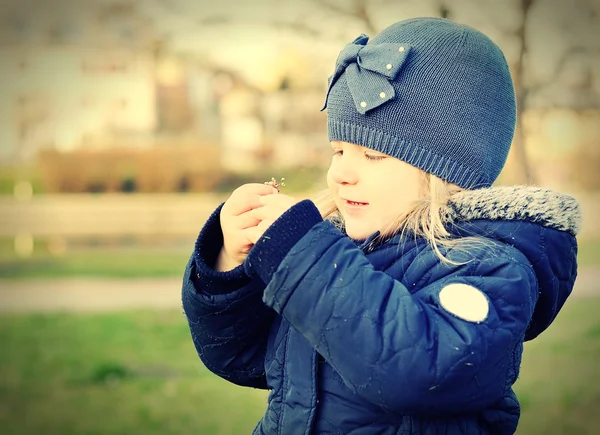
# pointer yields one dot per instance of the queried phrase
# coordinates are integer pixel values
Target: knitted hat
(430, 92)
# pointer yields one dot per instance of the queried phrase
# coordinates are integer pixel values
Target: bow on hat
(369, 68)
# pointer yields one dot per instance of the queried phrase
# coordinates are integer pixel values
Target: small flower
(275, 184)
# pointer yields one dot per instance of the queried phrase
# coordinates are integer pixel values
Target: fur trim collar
(525, 203)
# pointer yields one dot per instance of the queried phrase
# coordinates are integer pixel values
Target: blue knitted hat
(430, 92)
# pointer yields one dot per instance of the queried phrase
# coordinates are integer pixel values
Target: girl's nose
(342, 171)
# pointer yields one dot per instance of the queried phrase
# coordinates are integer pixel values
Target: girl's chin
(358, 234)
(359, 228)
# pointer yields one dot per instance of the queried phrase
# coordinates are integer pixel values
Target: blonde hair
(424, 218)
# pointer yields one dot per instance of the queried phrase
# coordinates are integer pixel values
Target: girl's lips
(354, 203)
(353, 208)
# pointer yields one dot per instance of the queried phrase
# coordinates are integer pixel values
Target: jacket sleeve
(404, 352)
(228, 321)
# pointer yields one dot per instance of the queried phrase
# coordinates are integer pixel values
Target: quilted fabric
(351, 337)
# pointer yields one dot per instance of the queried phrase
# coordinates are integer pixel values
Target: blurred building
(65, 97)
(295, 129)
(72, 76)
(257, 128)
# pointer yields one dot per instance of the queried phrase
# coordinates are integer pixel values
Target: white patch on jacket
(465, 301)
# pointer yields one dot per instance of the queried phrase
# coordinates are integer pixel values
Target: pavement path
(100, 294)
(89, 294)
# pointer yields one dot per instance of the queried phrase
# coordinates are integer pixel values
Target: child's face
(370, 189)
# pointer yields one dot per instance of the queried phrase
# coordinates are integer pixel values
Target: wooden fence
(106, 215)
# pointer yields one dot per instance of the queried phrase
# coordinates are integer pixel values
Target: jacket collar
(516, 203)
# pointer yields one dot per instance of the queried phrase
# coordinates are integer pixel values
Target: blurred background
(124, 123)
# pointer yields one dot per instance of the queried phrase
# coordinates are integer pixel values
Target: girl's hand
(236, 218)
(273, 206)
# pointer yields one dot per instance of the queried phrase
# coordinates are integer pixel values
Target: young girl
(406, 309)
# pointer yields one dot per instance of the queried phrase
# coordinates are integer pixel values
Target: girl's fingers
(255, 233)
(279, 200)
(247, 197)
(266, 210)
(267, 213)
(245, 220)
(273, 206)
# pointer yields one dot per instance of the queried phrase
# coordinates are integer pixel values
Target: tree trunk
(522, 169)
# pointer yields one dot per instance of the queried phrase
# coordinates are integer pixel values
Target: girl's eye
(373, 157)
(338, 152)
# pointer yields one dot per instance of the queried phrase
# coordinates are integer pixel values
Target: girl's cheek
(330, 182)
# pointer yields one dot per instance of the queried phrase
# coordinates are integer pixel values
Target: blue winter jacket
(352, 338)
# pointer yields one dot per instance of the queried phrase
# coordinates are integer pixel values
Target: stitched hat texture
(428, 91)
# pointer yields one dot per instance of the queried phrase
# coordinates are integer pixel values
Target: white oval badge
(465, 301)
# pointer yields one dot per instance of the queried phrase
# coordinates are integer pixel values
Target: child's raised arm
(228, 321)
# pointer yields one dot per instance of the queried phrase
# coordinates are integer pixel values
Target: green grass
(559, 386)
(137, 262)
(589, 253)
(112, 262)
(137, 372)
(107, 374)
(10, 174)
(125, 259)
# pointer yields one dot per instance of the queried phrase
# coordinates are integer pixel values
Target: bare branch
(297, 26)
(336, 9)
(520, 93)
(215, 20)
(362, 14)
(358, 12)
(443, 9)
(564, 60)
(169, 5)
(525, 8)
